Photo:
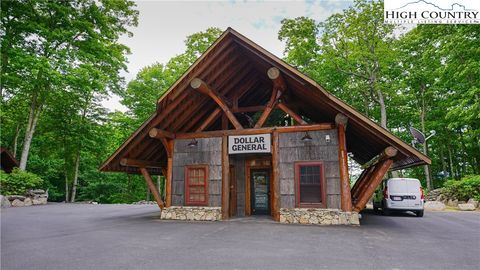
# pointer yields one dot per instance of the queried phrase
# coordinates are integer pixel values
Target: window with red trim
(310, 184)
(196, 185)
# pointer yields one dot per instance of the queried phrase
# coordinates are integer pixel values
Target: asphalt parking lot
(81, 236)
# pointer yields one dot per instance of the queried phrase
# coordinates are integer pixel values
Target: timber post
(345, 191)
(275, 178)
(225, 179)
(169, 176)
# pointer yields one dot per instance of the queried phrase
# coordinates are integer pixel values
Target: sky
(164, 25)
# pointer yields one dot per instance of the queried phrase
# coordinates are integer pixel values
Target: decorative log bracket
(203, 88)
(167, 139)
(371, 177)
(152, 187)
(279, 88)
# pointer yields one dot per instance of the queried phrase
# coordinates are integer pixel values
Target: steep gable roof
(236, 66)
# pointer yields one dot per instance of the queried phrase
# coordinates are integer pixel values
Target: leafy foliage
(426, 77)
(463, 189)
(19, 182)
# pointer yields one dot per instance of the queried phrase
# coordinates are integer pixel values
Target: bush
(19, 182)
(463, 189)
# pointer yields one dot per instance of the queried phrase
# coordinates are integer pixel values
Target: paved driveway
(116, 237)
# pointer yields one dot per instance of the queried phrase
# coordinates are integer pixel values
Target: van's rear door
(398, 193)
(413, 189)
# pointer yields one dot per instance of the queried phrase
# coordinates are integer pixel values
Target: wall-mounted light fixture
(306, 137)
(327, 138)
(193, 143)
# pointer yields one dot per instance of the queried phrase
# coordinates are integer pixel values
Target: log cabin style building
(243, 133)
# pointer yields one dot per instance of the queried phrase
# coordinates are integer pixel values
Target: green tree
(153, 81)
(47, 43)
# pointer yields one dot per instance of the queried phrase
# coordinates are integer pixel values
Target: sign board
(244, 144)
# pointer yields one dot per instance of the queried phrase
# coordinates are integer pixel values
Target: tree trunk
(452, 173)
(442, 157)
(75, 176)
(383, 109)
(428, 178)
(29, 131)
(15, 140)
(77, 156)
(66, 182)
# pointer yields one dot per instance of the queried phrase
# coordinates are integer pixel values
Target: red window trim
(298, 204)
(187, 190)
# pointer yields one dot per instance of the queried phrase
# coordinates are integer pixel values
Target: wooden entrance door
(260, 191)
(233, 193)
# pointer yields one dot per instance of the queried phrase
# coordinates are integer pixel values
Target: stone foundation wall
(318, 216)
(192, 213)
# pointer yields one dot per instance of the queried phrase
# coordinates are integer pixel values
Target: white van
(399, 194)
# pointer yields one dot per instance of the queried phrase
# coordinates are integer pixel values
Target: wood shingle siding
(293, 149)
(207, 152)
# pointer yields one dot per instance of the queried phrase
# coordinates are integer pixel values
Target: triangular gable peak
(232, 80)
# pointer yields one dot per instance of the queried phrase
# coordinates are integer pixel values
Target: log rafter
(211, 118)
(202, 87)
(129, 162)
(177, 122)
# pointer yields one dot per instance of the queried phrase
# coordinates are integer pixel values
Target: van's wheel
(376, 210)
(419, 213)
(385, 212)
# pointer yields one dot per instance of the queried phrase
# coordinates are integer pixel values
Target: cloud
(164, 25)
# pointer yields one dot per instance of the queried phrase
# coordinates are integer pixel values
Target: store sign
(249, 144)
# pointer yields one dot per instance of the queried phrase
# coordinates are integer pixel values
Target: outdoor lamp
(306, 137)
(193, 143)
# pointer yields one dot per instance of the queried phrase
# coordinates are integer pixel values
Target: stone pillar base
(192, 213)
(318, 216)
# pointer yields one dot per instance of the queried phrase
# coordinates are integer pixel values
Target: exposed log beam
(361, 182)
(159, 133)
(152, 187)
(253, 131)
(263, 118)
(294, 115)
(224, 122)
(277, 78)
(175, 120)
(278, 87)
(129, 162)
(376, 178)
(202, 87)
(211, 118)
(389, 152)
(205, 107)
